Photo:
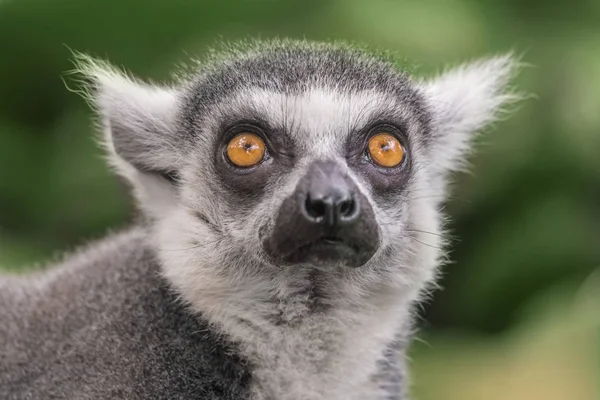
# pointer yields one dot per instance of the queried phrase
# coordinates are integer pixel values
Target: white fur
(146, 113)
(463, 101)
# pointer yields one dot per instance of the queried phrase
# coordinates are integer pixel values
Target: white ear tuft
(137, 121)
(464, 100)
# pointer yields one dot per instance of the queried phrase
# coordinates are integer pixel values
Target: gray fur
(105, 325)
(190, 302)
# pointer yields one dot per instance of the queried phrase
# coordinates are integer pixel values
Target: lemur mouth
(323, 250)
(330, 240)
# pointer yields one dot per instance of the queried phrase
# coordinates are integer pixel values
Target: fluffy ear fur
(464, 100)
(137, 120)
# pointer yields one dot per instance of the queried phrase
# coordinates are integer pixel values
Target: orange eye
(246, 150)
(385, 150)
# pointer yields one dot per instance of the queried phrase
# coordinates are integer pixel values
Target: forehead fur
(318, 119)
(291, 67)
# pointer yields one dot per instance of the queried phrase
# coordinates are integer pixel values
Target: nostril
(348, 209)
(315, 208)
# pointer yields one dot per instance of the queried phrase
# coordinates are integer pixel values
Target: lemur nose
(331, 209)
(329, 199)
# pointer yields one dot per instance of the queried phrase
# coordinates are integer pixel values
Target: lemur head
(294, 163)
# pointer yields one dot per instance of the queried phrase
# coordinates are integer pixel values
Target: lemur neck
(305, 344)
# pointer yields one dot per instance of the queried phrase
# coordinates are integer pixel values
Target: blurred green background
(519, 314)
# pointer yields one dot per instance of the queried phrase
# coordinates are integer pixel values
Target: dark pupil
(248, 146)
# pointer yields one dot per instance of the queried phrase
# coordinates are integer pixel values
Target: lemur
(291, 196)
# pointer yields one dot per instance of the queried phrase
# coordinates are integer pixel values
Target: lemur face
(311, 158)
(318, 176)
(292, 156)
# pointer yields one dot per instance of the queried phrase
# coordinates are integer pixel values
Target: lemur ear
(464, 100)
(137, 121)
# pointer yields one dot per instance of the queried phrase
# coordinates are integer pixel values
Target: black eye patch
(384, 181)
(248, 185)
(279, 144)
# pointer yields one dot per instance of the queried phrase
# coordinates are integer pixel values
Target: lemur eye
(246, 150)
(385, 150)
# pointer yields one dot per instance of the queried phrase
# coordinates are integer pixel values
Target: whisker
(425, 244)
(420, 231)
(195, 246)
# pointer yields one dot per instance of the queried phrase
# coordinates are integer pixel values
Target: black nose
(329, 200)
(330, 208)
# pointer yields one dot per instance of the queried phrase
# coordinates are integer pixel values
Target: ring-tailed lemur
(292, 192)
